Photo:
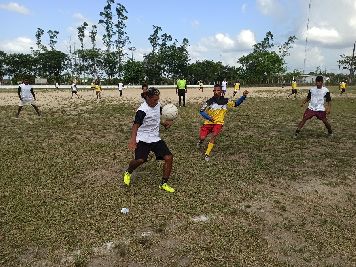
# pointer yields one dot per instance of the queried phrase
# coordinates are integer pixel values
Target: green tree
(134, 72)
(121, 35)
(53, 35)
(81, 34)
(92, 35)
(264, 65)
(349, 63)
(107, 22)
(38, 35)
(20, 66)
(2, 64)
(52, 64)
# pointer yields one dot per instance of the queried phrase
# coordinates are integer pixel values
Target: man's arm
(328, 103)
(204, 114)
(33, 94)
(140, 115)
(132, 142)
(307, 99)
(239, 101)
(19, 92)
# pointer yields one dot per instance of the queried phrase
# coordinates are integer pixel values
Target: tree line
(167, 60)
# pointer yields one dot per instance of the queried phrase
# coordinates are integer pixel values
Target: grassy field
(265, 199)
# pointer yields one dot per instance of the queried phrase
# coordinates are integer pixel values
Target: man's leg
(216, 131)
(183, 99)
(18, 111)
(167, 167)
(327, 125)
(308, 114)
(37, 110)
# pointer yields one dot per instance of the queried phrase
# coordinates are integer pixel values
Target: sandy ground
(56, 98)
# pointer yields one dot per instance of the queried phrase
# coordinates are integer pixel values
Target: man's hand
(167, 123)
(245, 93)
(132, 144)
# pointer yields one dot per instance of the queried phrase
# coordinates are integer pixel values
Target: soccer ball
(169, 112)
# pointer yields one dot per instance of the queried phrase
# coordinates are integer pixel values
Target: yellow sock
(208, 150)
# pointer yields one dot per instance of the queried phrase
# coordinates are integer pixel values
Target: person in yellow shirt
(343, 86)
(294, 89)
(181, 90)
(237, 87)
(98, 89)
(213, 111)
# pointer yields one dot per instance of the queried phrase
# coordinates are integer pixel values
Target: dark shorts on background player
(159, 148)
(210, 128)
(294, 91)
(308, 114)
(181, 92)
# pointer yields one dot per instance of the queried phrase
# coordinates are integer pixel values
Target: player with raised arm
(213, 111)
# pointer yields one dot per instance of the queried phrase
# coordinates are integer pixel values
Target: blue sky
(219, 30)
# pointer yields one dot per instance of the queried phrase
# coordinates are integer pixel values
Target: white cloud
(79, 16)
(246, 39)
(324, 35)
(266, 6)
(15, 7)
(18, 45)
(222, 47)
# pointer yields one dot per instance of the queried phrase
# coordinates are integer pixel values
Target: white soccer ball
(169, 112)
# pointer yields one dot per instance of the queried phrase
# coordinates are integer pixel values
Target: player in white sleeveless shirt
(317, 96)
(145, 138)
(27, 97)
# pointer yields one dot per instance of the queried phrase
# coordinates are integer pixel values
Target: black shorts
(343, 90)
(181, 92)
(294, 91)
(159, 148)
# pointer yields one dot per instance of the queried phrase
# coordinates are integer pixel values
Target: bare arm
(33, 94)
(19, 92)
(132, 142)
(167, 123)
(328, 107)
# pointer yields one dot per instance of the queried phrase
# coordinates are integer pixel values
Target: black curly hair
(152, 91)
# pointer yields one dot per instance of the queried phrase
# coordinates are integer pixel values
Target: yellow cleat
(167, 188)
(127, 178)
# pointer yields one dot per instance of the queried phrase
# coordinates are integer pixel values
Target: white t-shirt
(150, 119)
(74, 87)
(121, 85)
(26, 94)
(223, 85)
(317, 98)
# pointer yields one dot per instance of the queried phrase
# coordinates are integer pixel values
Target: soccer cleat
(330, 135)
(207, 158)
(198, 144)
(167, 188)
(127, 178)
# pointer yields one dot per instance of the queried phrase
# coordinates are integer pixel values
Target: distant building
(310, 79)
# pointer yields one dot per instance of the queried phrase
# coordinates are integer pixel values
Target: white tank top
(26, 92)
